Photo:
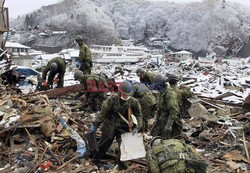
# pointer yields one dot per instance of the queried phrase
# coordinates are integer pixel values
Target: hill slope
(208, 25)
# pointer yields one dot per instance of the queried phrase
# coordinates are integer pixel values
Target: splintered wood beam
(211, 100)
(62, 91)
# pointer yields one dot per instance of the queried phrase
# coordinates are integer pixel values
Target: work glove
(44, 83)
(135, 130)
(93, 129)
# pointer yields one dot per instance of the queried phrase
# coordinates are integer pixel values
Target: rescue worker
(55, 66)
(168, 123)
(94, 87)
(85, 56)
(114, 110)
(173, 156)
(147, 101)
(183, 94)
(146, 77)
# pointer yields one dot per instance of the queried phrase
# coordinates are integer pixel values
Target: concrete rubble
(46, 131)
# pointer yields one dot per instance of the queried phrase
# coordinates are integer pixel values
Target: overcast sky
(19, 7)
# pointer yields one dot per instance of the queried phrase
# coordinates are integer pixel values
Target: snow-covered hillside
(208, 25)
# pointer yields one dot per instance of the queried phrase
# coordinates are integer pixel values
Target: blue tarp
(26, 71)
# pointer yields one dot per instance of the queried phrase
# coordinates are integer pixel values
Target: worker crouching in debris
(146, 77)
(94, 88)
(173, 156)
(114, 118)
(147, 101)
(56, 66)
(168, 123)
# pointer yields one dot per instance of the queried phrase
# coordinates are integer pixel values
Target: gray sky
(19, 7)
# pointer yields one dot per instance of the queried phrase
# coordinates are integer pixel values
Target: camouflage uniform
(85, 58)
(148, 79)
(168, 123)
(174, 156)
(113, 125)
(61, 68)
(183, 94)
(147, 101)
(95, 89)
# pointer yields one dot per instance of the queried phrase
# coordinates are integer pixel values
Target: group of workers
(57, 66)
(167, 153)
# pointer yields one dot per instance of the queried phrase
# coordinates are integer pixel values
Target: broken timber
(213, 101)
(61, 91)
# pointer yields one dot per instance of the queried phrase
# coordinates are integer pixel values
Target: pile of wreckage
(47, 131)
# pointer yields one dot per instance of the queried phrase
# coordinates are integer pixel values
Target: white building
(59, 33)
(118, 54)
(21, 55)
(182, 55)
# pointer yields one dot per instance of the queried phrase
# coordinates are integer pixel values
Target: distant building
(182, 55)
(118, 54)
(48, 49)
(21, 55)
(43, 35)
(59, 33)
(209, 58)
(159, 43)
(129, 42)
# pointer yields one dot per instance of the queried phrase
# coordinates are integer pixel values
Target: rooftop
(15, 45)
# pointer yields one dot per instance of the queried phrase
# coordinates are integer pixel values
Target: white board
(132, 146)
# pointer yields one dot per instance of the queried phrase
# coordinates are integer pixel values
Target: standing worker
(55, 66)
(168, 124)
(182, 92)
(114, 117)
(85, 56)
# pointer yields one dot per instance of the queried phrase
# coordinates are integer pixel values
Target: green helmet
(77, 74)
(159, 78)
(140, 71)
(173, 77)
(125, 87)
(156, 141)
(53, 66)
(79, 39)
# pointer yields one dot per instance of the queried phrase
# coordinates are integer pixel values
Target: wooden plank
(61, 91)
(212, 105)
(12, 145)
(211, 100)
